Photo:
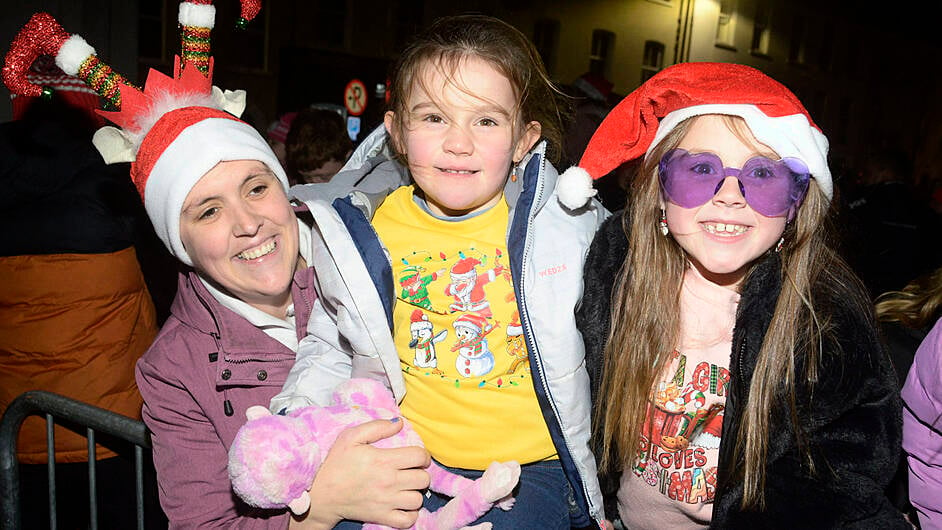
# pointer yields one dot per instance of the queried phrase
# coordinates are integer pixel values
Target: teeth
(459, 171)
(257, 252)
(723, 229)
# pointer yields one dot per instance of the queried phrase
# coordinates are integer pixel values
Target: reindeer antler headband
(174, 130)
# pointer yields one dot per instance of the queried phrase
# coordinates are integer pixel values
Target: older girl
(739, 379)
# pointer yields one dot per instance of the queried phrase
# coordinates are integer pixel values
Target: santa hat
(278, 131)
(641, 120)
(70, 89)
(173, 131)
(514, 328)
(464, 266)
(419, 321)
(476, 323)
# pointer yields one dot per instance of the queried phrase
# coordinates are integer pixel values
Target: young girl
(484, 268)
(742, 383)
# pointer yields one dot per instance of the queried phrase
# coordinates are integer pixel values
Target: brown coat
(73, 324)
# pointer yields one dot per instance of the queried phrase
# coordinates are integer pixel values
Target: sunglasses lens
(771, 187)
(690, 179)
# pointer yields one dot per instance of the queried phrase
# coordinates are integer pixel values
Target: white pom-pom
(574, 188)
(197, 15)
(73, 53)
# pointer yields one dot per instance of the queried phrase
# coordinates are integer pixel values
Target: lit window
(653, 59)
(726, 24)
(799, 44)
(762, 29)
(602, 44)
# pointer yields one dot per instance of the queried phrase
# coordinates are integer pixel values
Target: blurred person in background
(75, 312)
(907, 317)
(317, 146)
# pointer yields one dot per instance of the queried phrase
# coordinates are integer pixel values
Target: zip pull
(227, 408)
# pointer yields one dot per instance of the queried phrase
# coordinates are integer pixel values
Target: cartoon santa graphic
(467, 286)
(474, 357)
(423, 340)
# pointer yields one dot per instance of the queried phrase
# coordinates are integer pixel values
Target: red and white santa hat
(464, 267)
(419, 321)
(514, 328)
(476, 323)
(173, 131)
(640, 121)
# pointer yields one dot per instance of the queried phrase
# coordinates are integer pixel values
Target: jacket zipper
(525, 317)
(739, 370)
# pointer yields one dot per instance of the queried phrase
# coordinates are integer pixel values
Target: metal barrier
(94, 419)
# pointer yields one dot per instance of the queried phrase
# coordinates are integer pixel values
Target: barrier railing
(93, 419)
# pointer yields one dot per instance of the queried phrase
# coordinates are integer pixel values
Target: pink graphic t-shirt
(672, 483)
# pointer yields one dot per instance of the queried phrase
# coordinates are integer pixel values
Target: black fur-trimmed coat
(851, 418)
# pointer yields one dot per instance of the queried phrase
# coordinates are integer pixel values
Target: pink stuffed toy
(273, 459)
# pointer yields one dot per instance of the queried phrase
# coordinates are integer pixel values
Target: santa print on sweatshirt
(674, 476)
(457, 329)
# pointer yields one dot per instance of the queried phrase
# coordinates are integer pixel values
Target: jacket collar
(195, 307)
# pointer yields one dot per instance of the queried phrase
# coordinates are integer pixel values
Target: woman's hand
(360, 482)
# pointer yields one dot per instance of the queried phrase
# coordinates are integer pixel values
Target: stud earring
(778, 247)
(663, 223)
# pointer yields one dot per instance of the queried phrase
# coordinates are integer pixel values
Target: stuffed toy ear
(255, 412)
(301, 504)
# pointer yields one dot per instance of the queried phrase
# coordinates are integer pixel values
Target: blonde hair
(646, 325)
(916, 306)
(450, 40)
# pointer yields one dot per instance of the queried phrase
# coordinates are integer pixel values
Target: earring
(663, 223)
(513, 173)
(778, 247)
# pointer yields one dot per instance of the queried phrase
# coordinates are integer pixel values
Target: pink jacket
(205, 368)
(922, 429)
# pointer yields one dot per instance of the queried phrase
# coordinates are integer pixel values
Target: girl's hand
(360, 482)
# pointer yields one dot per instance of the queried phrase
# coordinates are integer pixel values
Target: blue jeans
(544, 500)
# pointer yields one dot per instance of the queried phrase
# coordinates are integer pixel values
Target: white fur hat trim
(197, 15)
(73, 53)
(195, 151)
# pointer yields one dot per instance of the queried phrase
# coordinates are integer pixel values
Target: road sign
(354, 97)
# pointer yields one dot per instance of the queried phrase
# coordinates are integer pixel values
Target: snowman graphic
(474, 357)
(423, 340)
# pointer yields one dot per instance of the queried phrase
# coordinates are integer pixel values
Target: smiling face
(725, 235)
(461, 136)
(241, 232)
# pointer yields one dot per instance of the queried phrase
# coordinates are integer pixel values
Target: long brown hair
(646, 325)
(449, 40)
(917, 305)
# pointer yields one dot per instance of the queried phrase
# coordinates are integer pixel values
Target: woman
(260, 286)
